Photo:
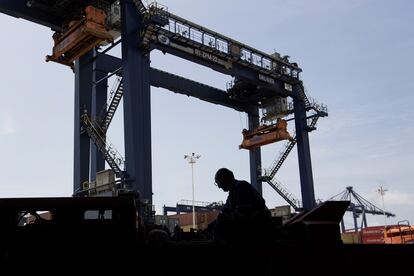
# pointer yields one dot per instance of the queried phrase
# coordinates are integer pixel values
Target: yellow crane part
(80, 37)
(264, 135)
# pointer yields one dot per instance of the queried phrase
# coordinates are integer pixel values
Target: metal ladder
(305, 98)
(312, 125)
(277, 186)
(277, 163)
(98, 137)
(114, 101)
(321, 111)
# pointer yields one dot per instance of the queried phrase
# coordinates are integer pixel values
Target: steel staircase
(140, 6)
(277, 186)
(115, 98)
(98, 137)
(269, 174)
(314, 121)
(277, 163)
(304, 97)
(320, 109)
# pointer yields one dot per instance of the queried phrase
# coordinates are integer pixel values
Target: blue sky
(356, 57)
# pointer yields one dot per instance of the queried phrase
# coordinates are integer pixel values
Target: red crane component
(80, 37)
(265, 134)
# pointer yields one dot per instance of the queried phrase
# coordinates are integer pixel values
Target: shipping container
(351, 237)
(395, 234)
(373, 231)
(399, 234)
(187, 218)
(373, 240)
(202, 219)
(184, 219)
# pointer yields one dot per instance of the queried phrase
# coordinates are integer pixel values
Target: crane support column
(304, 156)
(83, 103)
(255, 154)
(364, 218)
(343, 226)
(99, 98)
(355, 216)
(137, 104)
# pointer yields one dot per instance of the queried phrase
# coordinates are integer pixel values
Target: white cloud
(7, 124)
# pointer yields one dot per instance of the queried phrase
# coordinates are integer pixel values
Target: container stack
(202, 219)
(373, 235)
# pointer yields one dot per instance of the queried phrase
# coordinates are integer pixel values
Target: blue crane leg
(255, 154)
(99, 98)
(137, 104)
(304, 156)
(83, 102)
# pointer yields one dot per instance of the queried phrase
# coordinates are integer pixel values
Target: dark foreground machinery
(102, 236)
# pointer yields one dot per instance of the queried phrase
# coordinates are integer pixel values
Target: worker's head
(224, 179)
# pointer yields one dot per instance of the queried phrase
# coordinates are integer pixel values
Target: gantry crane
(261, 83)
(359, 206)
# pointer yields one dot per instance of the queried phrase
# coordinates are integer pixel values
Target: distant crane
(359, 206)
(185, 206)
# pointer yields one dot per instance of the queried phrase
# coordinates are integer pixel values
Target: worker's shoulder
(242, 184)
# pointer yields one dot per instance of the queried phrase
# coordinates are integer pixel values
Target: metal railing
(104, 145)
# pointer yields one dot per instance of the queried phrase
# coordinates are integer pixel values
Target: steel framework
(257, 76)
(359, 206)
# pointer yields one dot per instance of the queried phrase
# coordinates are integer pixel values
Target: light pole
(192, 160)
(382, 191)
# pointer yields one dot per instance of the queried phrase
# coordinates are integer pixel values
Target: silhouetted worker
(244, 216)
